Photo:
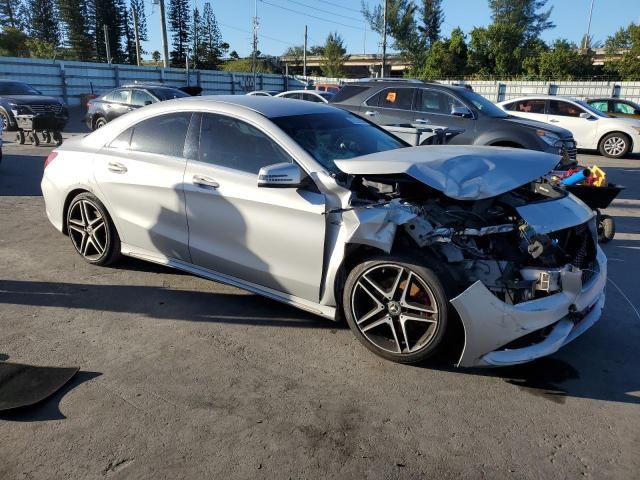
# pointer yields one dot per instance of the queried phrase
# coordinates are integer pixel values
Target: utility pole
(137, 38)
(586, 38)
(106, 42)
(304, 54)
(384, 40)
(163, 26)
(255, 43)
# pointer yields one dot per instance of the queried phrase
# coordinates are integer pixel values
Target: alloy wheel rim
(3, 122)
(88, 230)
(614, 145)
(395, 309)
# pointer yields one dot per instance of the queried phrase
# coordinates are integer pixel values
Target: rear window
(347, 92)
(168, 93)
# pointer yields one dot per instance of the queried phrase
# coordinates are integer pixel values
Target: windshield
(168, 93)
(17, 88)
(591, 110)
(336, 136)
(482, 104)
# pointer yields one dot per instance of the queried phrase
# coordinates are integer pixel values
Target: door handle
(205, 182)
(371, 113)
(116, 167)
(422, 120)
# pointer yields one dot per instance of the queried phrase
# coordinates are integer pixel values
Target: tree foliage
(79, 29)
(179, 25)
(333, 56)
(623, 50)
(44, 21)
(446, 57)
(13, 43)
(214, 47)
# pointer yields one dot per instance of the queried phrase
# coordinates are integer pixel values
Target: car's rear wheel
(91, 230)
(615, 145)
(396, 308)
(99, 123)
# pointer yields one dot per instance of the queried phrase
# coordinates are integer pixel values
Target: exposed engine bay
(487, 240)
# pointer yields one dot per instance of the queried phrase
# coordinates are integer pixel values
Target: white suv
(591, 128)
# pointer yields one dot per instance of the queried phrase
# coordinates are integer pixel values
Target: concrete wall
(71, 80)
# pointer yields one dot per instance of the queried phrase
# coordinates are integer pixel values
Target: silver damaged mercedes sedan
(315, 207)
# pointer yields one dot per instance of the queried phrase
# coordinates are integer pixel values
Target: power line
(342, 6)
(326, 11)
(311, 16)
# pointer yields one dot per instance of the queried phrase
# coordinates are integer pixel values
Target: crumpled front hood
(459, 172)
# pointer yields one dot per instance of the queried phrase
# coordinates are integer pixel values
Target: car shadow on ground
(20, 175)
(600, 372)
(160, 303)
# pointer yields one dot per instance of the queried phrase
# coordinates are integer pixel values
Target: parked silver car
(318, 208)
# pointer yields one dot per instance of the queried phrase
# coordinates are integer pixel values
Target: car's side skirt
(312, 307)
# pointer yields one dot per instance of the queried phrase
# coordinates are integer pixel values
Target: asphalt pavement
(187, 378)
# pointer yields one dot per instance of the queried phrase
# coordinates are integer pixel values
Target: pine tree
(129, 36)
(198, 48)
(109, 13)
(432, 18)
(179, 22)
(138, 7)
(212, 39)
(44, 21)
(79, 27)
(12, 14)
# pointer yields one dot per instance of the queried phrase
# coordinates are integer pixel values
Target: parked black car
(123, 99)
(19, 98)
(412, 102)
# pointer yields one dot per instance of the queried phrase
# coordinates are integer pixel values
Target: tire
(614, 145)
(99, 123)
(20, 137)
(377, 318)
(606, 228)
(57, 138)
(33, 136)
(5, 125)
(46, 137)
(91, 230)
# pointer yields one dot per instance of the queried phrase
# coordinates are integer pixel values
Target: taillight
(50, 158)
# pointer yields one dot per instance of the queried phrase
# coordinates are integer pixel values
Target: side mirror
(585, 115)
(461, 112)
(281, 175)
(148, 102)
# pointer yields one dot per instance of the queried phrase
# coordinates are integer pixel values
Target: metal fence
(70, 80)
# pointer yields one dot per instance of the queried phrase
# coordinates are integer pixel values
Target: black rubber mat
(24, 385)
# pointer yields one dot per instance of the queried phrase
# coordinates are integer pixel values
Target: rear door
(118, 103)
(434, 107)
(140, 174)
(273, 237)
(567, 115)
(390, 106)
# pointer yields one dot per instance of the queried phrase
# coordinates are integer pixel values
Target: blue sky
(281, 27)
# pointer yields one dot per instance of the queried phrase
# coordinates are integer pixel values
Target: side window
(619, 107)
(231, 143)
(164, 134)
(141, 98)
(601, 105)
(312, 98)
(398, 98)
(435, 101)
(375, 100)
(564, 109)
(118, 96)
(122, 141)
(295, 96)
(528, 106)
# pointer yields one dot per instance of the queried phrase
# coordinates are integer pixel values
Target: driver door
(272, 237)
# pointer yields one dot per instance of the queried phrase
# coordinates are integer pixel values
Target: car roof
(302, 91)
(408, 83)
(540, 97)
(269, 107)
(146, 85)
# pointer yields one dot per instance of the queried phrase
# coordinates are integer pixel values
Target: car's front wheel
(397, 308)
(91, 230)
(615, 145)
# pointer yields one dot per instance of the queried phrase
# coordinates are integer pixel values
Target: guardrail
(70, 80)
